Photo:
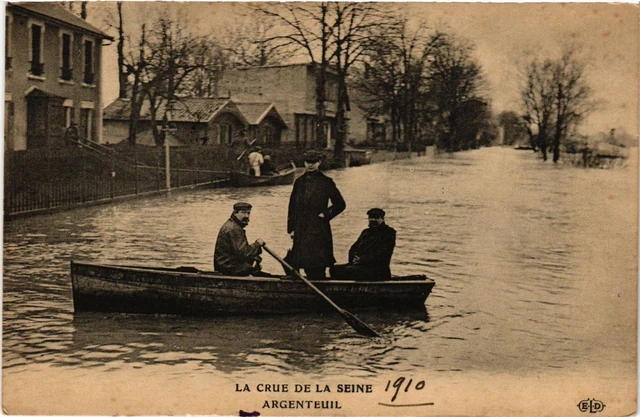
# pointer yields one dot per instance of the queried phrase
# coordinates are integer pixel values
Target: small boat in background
(187, 291)
(284, 176)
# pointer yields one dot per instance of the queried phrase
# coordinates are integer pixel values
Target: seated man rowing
(370, 255)
(233, 254)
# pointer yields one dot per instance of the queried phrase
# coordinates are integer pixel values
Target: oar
(246, 149)
(351, 320)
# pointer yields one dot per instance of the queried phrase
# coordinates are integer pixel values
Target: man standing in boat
(309, 217)
(233, 254)
(370, 255)
(255, 161)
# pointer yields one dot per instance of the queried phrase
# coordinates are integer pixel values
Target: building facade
(293, 90)
(52, 76)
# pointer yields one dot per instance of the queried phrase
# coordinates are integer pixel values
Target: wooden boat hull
(127, 289)
(284, 177)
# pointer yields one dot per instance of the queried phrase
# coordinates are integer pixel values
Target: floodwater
(535, 268)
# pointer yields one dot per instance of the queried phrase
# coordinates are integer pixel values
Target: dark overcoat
(312, 240)
(374, 249)
(233, 254)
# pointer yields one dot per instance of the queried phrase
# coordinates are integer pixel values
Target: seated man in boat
(267, 167)
(370, 255)
(233, 254)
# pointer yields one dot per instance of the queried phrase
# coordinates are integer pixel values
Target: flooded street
(535, 268)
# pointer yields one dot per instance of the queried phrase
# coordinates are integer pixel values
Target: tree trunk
(321, 80)
(137, 98)
(542, 144)
(341, 119)
(122, 75)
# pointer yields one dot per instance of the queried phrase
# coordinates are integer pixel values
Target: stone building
(52, 76)
(293, 90)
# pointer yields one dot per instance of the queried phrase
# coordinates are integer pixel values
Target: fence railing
(44, 179)
(39, 180)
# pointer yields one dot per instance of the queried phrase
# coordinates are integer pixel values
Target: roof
(186, 110)
(57, 12)
(255, 113)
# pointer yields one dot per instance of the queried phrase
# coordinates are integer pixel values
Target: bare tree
(572, 97)
(334, 36)
(203, 82)
(175, 54)
(394, 79)
(122, 74)
(136, 66)
(355, 26)
(455, 80)
(537, 99)
(555, 98)
(304, 27)
(251, 44)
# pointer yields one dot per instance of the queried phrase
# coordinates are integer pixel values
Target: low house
(197, 120)
(53, 63)
(265, 123)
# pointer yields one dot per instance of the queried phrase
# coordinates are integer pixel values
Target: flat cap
(312, 156)
(376, 213)
(241, 206)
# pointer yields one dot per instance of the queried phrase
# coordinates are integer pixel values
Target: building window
(7, 42)
(36, 48)
(87, 124)
(88, 63)
(66, 62)
(305, 129)
(68, 113)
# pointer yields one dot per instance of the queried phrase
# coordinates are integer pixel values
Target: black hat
(376, 213)
(312, 156)
(241, 206)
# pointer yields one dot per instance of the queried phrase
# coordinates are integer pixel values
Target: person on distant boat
(233, 254)
(370, 255)
(309, 217)
(267, 167)
(255, 161)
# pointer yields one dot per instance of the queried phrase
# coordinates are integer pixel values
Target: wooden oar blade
(351, 320)
(358, 325)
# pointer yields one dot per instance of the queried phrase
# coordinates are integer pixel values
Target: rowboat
(187, 291)
(285, 176)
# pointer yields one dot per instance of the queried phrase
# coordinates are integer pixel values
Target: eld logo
(591, 405)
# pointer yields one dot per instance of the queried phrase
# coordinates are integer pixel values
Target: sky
(504, 35)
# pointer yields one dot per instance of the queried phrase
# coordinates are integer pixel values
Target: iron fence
(45, 179)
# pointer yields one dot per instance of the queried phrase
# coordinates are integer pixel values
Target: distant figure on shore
(370, 255)
(255, 161)
(309, 217)
(267, 167)
(233, 254)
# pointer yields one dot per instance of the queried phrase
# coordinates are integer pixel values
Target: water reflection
(234, 344)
